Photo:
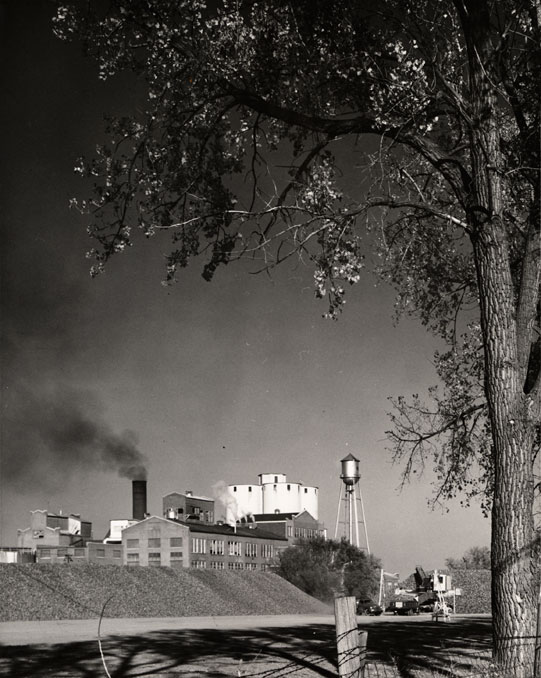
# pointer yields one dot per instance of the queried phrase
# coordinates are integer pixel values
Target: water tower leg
(364, 522)
(338, 511)
(357, 542)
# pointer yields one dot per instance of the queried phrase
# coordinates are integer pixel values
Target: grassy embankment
(41, 592)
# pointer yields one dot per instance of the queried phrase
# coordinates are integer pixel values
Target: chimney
(139, 496)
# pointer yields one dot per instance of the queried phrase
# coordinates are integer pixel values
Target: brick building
(290, 526)
(158, 541)
(187, 506)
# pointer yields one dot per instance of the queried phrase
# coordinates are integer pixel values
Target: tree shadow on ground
(265, 653)
(442, 648)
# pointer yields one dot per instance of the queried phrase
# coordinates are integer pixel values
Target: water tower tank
(350, 470)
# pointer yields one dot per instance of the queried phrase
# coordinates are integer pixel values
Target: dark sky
(200, 382)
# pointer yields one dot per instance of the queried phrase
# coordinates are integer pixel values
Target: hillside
(41, 592)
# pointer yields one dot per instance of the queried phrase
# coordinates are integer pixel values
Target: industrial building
(186, 535)
(188, 506)
(291, 526)
(51, 529)
(158, 541)
(274, 494)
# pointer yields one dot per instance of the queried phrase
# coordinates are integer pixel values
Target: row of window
(220, 565)
(77, 553)
(217, 547)
(155, 542)
(305, 532)
(154, 557)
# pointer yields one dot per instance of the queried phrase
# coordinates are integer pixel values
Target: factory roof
(240, 531)
(188, 494)
(273, 517)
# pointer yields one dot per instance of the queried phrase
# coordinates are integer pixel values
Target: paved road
(73, 630)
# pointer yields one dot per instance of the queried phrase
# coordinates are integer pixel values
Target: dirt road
(228, 647)
(77, 630)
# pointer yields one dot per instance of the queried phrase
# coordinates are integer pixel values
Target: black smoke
(51, 436)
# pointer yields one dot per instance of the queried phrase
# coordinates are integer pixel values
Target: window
(275, 479)
(216, 547)
(267, 550)
(249, 488)
(250, 550)
(289, 487)
(117, 553)
(44, 553)
(235, 489)
(290, 530)
(305, 490)
(175, 542)
(133, 559)
(199, 545)
(79, 552)
(235, 566)
(199, 564)
(217, 565)
(234, 548)
(251, 566)
(154, 543)
(100, 553)
(176, 555)
(132, 543)
(154, 559)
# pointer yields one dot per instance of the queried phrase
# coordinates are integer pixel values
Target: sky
(200, 383)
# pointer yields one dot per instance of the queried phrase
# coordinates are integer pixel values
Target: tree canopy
(475, 558)
(251, 109)
(323, 567)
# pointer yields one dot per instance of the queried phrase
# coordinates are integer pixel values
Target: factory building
(51, 529)
(274, 494)
(158, 541)
(187, 506)
(290, 526)
(185, 536)
(95, 552)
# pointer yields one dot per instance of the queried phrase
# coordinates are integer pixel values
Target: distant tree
(239, 153)
(323, 567)
(476, 558)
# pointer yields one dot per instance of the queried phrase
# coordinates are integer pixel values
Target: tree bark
(513, 544)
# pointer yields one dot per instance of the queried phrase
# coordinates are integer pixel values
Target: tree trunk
(513, 546)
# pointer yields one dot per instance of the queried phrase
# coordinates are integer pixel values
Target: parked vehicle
(367, 606)
(404, 606)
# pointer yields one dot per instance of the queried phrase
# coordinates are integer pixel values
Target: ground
(403, 647)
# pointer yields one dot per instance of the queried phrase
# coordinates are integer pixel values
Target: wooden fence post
(351, 648)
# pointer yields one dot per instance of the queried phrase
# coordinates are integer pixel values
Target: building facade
(187, 506)
(224, 547)
(98, 553)
(50, 529)
(274, 494)
(290, 526)
(156, 542)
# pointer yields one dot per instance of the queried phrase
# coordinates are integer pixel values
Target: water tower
(349, 499)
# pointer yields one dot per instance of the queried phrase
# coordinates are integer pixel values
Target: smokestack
(139, 496)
